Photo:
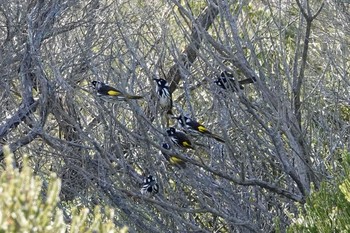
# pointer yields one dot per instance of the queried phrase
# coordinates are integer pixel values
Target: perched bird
(179, 138)
(149, 185)
(172, 159)
(194, 127)
(109, 93)
(227, 81)
(164, 95)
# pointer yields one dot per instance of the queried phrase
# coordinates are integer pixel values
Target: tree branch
(27, 107)
(299, 80)
(302, 9)
(249, 182)
(189, 55)
(21, 142)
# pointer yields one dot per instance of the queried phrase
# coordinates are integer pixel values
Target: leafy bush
(26, 208)
(327, 210)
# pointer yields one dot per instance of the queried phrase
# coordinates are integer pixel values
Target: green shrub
(327, 210)
(26, 208)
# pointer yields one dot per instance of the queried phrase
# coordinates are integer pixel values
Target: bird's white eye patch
(188, 120)
(166, 146)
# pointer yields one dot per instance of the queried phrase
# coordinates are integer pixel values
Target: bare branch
(26, 108)
(189, 55)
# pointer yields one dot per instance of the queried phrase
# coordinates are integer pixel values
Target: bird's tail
(134, 97)
(248, 80)
(217, 138)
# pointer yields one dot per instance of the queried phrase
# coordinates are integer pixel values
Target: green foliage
(23, 208)
(327, 210)
(345, 112)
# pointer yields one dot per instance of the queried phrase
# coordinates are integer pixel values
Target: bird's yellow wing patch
(202, 129)
(186, 144)
(175, 160)
(113, 93)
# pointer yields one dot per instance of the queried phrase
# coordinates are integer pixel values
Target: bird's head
(161, 82)
(166, 146)
(149, 180)
(171, 131)
(180, 119)
(221, 81)
(97, 84)
(150, 185)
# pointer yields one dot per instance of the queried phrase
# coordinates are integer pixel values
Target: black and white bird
(195, 128)
(111, 94)
(179, 138)
(226, 81)
(164, 95)
(171, 158)
(149, 185)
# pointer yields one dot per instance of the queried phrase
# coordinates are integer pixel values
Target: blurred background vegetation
(285, 159)
(30, 205)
